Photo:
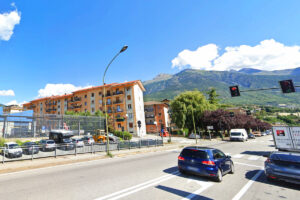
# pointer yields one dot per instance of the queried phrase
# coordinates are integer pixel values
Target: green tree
(188, 106)
(213, 96)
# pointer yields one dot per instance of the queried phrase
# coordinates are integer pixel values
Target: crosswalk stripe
(238, 156)
(253, 158)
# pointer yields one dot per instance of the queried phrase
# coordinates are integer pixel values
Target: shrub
(126, 135)
(2, 141)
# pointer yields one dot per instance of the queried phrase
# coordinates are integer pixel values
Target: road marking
(204, 187)
(136, 188)
(253, 158)
(238, 156)
(261, 167)
(247, 186)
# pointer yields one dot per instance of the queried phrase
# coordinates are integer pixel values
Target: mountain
(292, 72)
(203, 80)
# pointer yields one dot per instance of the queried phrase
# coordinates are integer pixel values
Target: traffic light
(287, 86)
(231, 114)
(234, 91)
(139, 124)
(248, 112)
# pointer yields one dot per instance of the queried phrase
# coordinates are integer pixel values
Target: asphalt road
(150, 176)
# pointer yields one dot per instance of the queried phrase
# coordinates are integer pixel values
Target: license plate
(192, 168)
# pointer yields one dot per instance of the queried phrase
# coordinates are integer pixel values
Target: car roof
(285, 153)
(10, 143)
(199, 148)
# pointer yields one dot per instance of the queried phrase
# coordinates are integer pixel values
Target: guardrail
(39, 151)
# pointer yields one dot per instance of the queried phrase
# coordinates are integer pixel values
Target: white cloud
(58, 89)
(267, 55)
(199, 59)
(14, 102)
(8, 22)
(7, 93)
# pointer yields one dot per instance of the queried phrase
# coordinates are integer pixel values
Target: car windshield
(235, 133)
(13, 146)
(50, 142)
(30, 143)
(67, 140)
(194, 153)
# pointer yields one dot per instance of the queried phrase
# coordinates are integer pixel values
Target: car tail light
(180, 158)
(212, 175)
(272, 177)
(208, 162)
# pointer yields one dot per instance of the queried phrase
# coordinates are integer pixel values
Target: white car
(78, 142)
(238, 134)
(12, 150)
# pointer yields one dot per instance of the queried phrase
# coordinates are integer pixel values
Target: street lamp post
(107, 137)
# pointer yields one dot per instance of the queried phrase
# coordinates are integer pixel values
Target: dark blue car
(283, 166)
(205, 161)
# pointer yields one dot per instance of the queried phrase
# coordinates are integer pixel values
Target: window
(130, 125)
(93, 109)
(129, 106)
(58, 106)
(130, 116)
(218, 154)
(100, 93)
(58, 113)
(108, 101)
(119, 126)
(85, 96)
(59, 101)
(85, 110)
(128, 88)
(160, 121)
(93, 102)
(92, 95)
(85, 103)
(100, 101)
(194, 154)
(129, 97)
(159, 114)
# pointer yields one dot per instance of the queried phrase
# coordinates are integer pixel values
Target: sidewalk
(23, 165)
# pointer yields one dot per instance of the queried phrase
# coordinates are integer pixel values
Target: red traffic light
(287, 86)
(234, 91)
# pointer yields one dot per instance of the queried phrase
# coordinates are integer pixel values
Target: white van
(238, 134)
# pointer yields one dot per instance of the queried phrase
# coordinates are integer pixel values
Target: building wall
(139, 110)
(157, 116)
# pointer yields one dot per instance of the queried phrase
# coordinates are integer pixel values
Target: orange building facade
(157, 116)
(124, 104)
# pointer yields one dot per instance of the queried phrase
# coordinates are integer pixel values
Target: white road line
(138, 187)
(253, 158)
(192, 195)
(238, 156)
(247, 186)
(248, 165)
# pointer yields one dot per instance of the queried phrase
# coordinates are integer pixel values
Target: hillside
(202, 80)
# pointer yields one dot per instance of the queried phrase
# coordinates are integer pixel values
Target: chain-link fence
(13, 152)
(21, 126)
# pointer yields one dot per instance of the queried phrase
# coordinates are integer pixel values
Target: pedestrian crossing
(247, 157)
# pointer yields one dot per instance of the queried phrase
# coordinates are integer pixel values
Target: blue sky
(71, 42)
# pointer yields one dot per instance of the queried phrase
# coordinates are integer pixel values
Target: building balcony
(119, 110)
(150, 123)
(118, 93)
(108, 103)
(52, 109)
(120, 119)
(118, 102)
(149, 110)
(149, 116)
(75, 99)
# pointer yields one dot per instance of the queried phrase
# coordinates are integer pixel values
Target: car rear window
(50, 142)
(194, 153)
(235, 133)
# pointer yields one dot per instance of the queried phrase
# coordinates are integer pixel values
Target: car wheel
(219, 177)
(231, 168)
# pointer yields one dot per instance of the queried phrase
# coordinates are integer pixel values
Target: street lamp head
(124, 48)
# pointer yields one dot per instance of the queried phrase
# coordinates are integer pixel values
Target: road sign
(210, 127)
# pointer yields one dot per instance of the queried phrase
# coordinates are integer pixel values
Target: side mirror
(228, 156)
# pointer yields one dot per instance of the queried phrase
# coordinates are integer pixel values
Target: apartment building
(157, 115)
(124, 103)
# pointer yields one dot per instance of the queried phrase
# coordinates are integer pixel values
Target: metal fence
(30, 126)
(38, 151)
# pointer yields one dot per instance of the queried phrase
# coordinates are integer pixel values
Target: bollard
(3, 154)
(75, 149)
(32, 153)
(55, 151)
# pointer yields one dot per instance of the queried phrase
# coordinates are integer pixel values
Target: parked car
(113, 138)
(238, 135)
(263, 134)
(47, 145)
(283, 166)
(12, 150)
(269, 132)
(193, 136)
(257, 133)
(78, 142)
(209, 162)
(251, 136)
(66, 144)
(30, 148)
(88, 140)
